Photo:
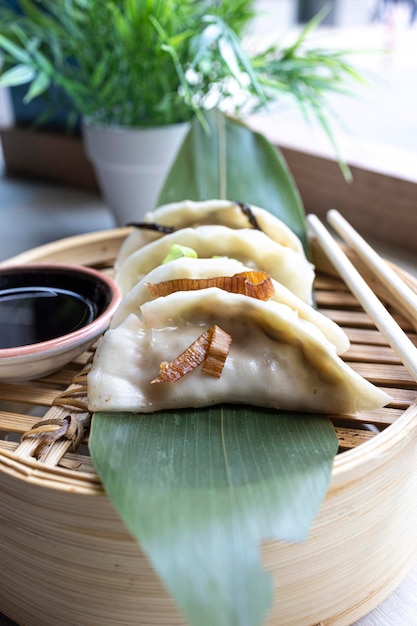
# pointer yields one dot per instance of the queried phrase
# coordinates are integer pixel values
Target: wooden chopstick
(398, 340)
(407, 298)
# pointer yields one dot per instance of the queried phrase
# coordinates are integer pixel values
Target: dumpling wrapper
(275, 360)
(208, 268)
(252, 247)
(216, 212)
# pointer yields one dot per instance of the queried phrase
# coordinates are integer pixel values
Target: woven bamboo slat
(66, 557)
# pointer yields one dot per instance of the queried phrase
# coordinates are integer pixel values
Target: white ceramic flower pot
(131, 164)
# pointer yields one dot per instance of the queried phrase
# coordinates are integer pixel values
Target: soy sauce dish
(49, 314)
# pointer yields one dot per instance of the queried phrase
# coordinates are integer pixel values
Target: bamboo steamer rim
(347, 465)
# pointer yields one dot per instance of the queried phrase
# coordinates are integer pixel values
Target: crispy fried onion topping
(246, 210)
(253, 283)
(211, 348)
(158, 228)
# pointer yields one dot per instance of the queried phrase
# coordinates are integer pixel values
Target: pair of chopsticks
(406, 297)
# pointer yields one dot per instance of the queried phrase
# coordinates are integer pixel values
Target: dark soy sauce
(29, 315)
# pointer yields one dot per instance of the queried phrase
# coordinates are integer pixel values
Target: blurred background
(375, 128)
(378, 126)
(384, 32)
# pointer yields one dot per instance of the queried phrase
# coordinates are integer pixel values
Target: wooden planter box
(381, 206)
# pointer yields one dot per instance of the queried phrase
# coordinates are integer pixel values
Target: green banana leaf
(200, 489)
(224, 159)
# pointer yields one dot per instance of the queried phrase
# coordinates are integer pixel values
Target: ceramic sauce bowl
(49, 314)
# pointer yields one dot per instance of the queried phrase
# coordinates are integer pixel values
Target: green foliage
(159, 61)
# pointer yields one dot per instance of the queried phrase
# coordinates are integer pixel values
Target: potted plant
(134, 71)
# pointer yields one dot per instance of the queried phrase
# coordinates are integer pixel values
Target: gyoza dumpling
(275, 360)
(187, 213)
(207, 268)
(252, 247)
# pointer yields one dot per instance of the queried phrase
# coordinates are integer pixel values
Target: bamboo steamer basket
(67, 558)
